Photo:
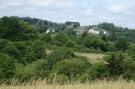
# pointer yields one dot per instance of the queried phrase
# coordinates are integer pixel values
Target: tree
(60, 39)
(98, 71)
(129, 69)
(73, 24)
(58, 55)
(46, 37)
(9, 28)
(14, 29)
(39, 49)
(28, 31)
(115, 64)
(122, 44)
(13, 53)
(30, 71)
(70, 43)
(3, 43)
(7, 67)
(110, 27)
(35, 51)
(72, 68)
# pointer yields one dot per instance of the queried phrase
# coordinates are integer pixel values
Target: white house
(92, 31)
(50, 30)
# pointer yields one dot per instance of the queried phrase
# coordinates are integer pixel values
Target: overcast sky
(87, 12)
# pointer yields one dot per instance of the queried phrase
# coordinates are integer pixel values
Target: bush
(60, 39)
(70, 43)
(7, 67)
(46, 37)
(39, 49)
(21, 46)
(58, 55)
(55, 57)
(30, 71)
(129, 69)
(72, 68)
(34, 51)
(3, 43)
(95, 42)
(115, 64)
(122, 44)
(13, 52)
(98, 71)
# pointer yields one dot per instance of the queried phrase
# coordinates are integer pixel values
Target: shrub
(34, 51)
(13, 52)
(98, 71)
(115, 64)
(29, 71)
(46, 37)
(129, 69)
(58, 55)
(3, 43)
(21, 46)
(39, 49)
(72, 68)
(7, 67)
(70, 43)
(122, 44)
(60, 38)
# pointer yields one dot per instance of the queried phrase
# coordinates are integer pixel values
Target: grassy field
(120, 84)
(93, 57)
(93, 85)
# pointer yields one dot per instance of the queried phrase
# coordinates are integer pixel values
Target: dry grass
(93, 85)
(93, 57)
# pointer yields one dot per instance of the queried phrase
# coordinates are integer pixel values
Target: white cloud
(29, 3)
(117, 8)
(84, 11)
(15, 3)
(59, 3)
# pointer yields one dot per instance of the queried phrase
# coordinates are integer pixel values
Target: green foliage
(115, 64)
(13, 53)
(30, 71)
(122, 44)
(3, 43)
(129, 69)
(39, 49)
(97, 43)
(35, 52)
(23, 44)
(73, 24)
(60, 39)
(9, 28)
(46, 37)
(7, 67)
(58, 55)
(13, 29)
(70, 43)
(72, 68)
(28, 31)
(98, 71)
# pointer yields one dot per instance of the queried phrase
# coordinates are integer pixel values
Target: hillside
(102, 28)
(33, 49)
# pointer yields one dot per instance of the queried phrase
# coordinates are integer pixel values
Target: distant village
(81, 29)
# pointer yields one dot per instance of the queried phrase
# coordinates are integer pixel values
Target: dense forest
(32, 48)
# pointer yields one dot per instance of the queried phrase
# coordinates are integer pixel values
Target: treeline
(24, 52)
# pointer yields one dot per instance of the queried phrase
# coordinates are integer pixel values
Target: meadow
(119, 84)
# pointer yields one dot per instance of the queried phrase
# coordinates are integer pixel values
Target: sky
(87, 12)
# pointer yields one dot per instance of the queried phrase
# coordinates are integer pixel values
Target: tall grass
(119, 84)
